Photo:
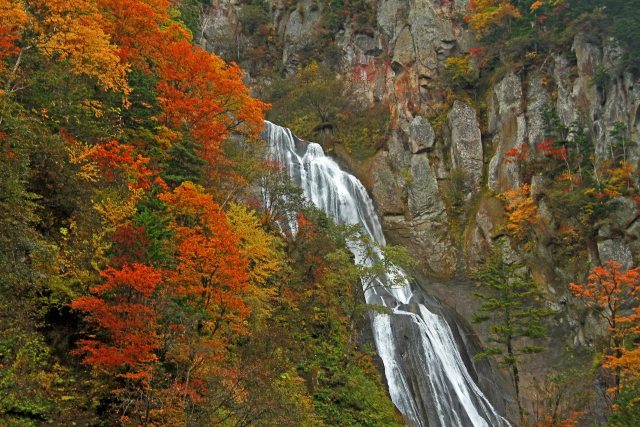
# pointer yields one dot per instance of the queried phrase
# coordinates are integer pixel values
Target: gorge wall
(436, 180)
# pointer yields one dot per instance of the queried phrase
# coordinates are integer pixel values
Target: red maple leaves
(123, 312)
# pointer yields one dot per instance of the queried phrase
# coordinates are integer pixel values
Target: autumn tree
(264, 254)
(13, 18)
(123, 314)
(512, 304)
(209, 286)
(486, 15)
(521, 211)
(613, 294)
(64, 30)
(197, 91)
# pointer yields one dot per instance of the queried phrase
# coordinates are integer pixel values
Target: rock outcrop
(464, 137)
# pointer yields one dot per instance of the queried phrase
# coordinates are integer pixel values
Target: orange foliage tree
(69, 30)
(210, 267)
(124, 314)
(119, 163)
(614, 293)
(104, 39)
(485, 15)
(211, 278)
(165, 336)
(522, 212)
(12, 18)
(198, 92)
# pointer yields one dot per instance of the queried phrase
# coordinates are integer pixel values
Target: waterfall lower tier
(427, 377)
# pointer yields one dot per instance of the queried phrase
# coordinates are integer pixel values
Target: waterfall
(428, 380)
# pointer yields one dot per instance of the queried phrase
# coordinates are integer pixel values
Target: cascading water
(428, 380)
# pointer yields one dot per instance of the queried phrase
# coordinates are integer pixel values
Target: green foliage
(552, 24)
(30, 388)
(315, 97)
(345, 386)
(362, 131)
(458, 190)
(184, 163)
(253, 14)
(69, 102)
(337, 14)
(152, 214)
(315, 106)
(350, 395)
(144, 109)
(626, 407)
(190, 13)
(26, 396)
(512, 304)
(460, 71)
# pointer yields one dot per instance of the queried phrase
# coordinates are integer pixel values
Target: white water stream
(428, 380)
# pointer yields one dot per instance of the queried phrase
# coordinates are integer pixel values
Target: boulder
(615, 250)
(404, 52)
(386, 189)
(421, 135)
(424, 196)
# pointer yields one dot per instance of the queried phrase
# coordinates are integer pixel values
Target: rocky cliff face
(434, 183)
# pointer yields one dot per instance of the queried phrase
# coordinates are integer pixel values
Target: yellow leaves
(460, 69)
(536, 5)
(67, 30)
(460, 64)
(167, 137)
(522, 211)
(484, 15)
(262, 250)
(13, 18)
(620, 179)
(115, 211)
(80, 154)
(258, 246)
(96, 107)
(13, 13)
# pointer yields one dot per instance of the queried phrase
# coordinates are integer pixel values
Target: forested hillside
(157, 268)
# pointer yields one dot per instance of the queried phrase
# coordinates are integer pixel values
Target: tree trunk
(516, 381)
(516, 377)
